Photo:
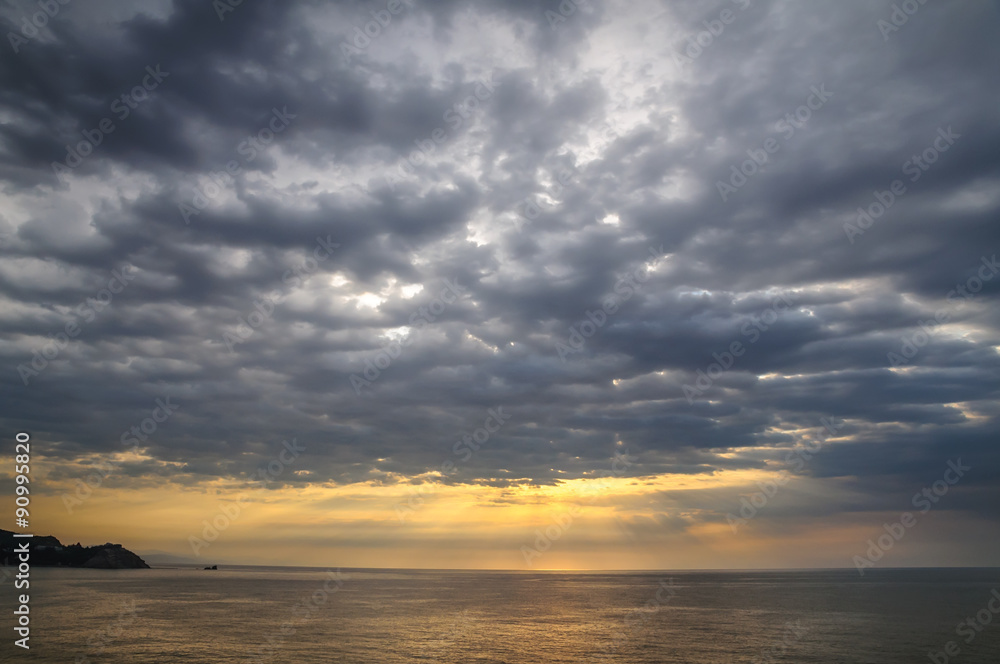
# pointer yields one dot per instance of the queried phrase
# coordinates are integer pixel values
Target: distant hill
(163, 558)
(47, 551)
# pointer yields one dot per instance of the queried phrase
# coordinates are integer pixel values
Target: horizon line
(581, 571)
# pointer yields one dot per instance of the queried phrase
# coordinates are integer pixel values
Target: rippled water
(238, 615)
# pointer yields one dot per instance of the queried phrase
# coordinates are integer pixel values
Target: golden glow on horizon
(670, 521)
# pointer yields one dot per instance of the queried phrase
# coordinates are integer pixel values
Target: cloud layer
(631, 225)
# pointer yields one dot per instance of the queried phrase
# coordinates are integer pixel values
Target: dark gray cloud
(542, 200)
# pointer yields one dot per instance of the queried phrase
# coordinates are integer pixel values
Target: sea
(304, 615)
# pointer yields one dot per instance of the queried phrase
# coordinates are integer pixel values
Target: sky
(505, 284)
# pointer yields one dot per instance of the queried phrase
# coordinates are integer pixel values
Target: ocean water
(260, 614)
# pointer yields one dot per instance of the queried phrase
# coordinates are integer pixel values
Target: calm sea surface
(261, 614)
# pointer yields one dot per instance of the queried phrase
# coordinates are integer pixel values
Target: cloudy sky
(509, 284)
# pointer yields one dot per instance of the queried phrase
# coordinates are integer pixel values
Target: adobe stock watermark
(624, 289)
(797, 458)
(899, 17)
(122, 107)
(925, 499)
(915, 167)
(248, 148)
(263, 307)
(455, 116)
(787, 126)
(381, 18)
(725, 361)
(912, 344)
(262, 311)
(87, 311)
(529, 208)
(700, 42)
(636, 619)
(132, 438)
(230, 511)
(223, 7)
(301, 613)
(30, 27)
(97, 642)
(561, 523)
(459, 627)
(471, 443)
(793, 633)
(465, 448)
(970, 628)
(421, 318)
(566, 9)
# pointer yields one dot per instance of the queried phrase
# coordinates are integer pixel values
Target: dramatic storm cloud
(471, 252)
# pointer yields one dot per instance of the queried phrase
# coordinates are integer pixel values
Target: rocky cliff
(47, 551)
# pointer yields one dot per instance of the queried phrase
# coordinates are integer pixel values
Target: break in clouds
(689, 231)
